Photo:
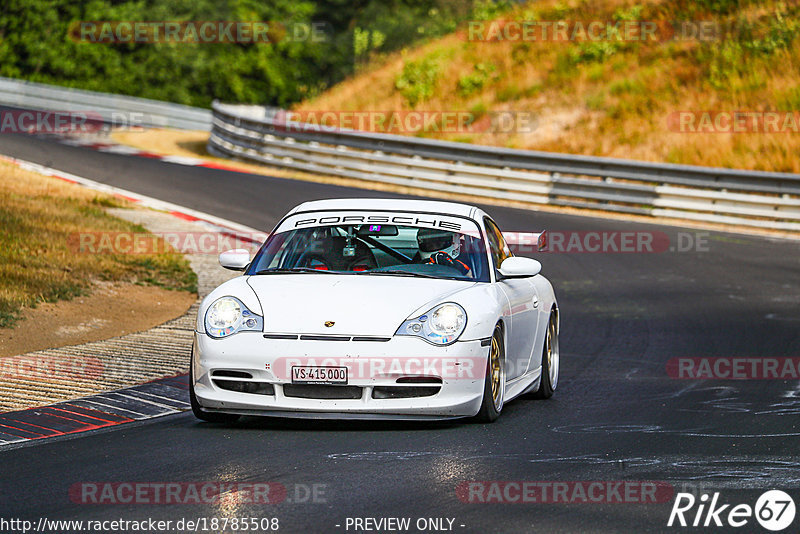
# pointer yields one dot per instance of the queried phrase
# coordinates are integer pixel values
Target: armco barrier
(153, 113)
(750, 198)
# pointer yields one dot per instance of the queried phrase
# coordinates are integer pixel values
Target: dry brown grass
(38, 215)
(188, 143)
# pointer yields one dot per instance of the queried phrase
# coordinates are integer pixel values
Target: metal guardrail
(154, 113)
(707, 194)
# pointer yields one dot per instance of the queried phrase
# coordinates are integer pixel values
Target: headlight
(441, 325)
(227, 315)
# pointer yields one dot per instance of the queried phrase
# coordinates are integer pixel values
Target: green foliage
(728, 62)
(593, 51)
(596, 72)
(365, 41)
(513, 91)
(626, 86)
(720, 6)
(478, 110)
(36, 45)
(779, 34)
(520, 52)
(474, 81)
(596, 101)
(488, 10)
(789, 100)
(602, 50)
(633, 13)
(418, 80)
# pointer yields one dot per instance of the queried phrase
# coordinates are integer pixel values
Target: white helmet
(432, 240)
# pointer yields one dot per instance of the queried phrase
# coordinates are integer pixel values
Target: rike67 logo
(774, 510)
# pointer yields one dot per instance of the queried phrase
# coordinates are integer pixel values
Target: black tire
(209, 417)
(492, 405)
(547, 386)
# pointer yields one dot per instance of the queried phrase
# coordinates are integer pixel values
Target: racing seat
(328, 254)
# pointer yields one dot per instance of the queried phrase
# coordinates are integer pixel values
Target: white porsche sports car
(364, 308)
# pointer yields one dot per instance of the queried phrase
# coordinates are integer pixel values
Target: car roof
(393, 204)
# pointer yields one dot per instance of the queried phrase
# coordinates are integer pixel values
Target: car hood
(366, 305)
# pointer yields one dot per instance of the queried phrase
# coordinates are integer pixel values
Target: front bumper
(374, 367)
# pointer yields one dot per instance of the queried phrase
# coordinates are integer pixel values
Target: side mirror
(236, 259)
(518, 267)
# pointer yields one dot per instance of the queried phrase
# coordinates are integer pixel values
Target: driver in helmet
(440, 247)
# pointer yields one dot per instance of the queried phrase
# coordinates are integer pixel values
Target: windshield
(374, 249)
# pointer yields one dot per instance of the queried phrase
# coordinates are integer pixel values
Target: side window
(497, 243)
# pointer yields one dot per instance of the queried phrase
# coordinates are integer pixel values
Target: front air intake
(253, 388)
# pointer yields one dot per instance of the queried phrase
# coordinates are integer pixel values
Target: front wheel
(494, 384)
(551, 361)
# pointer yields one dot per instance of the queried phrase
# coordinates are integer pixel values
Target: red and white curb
(116, 148)
(160, 397)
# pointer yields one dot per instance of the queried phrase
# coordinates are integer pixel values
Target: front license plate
(305, 374)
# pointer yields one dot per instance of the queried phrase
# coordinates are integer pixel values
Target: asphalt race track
(617, 414)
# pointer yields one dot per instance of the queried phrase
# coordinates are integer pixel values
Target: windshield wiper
(398, 272)
(294, 270)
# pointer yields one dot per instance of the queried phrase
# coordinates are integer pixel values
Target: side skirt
(523, 384)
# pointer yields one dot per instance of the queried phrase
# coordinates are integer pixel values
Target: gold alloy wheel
(549, 346)
(553, 361)
(496, 370)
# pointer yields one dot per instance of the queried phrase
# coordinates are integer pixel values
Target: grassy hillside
(612, 97)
